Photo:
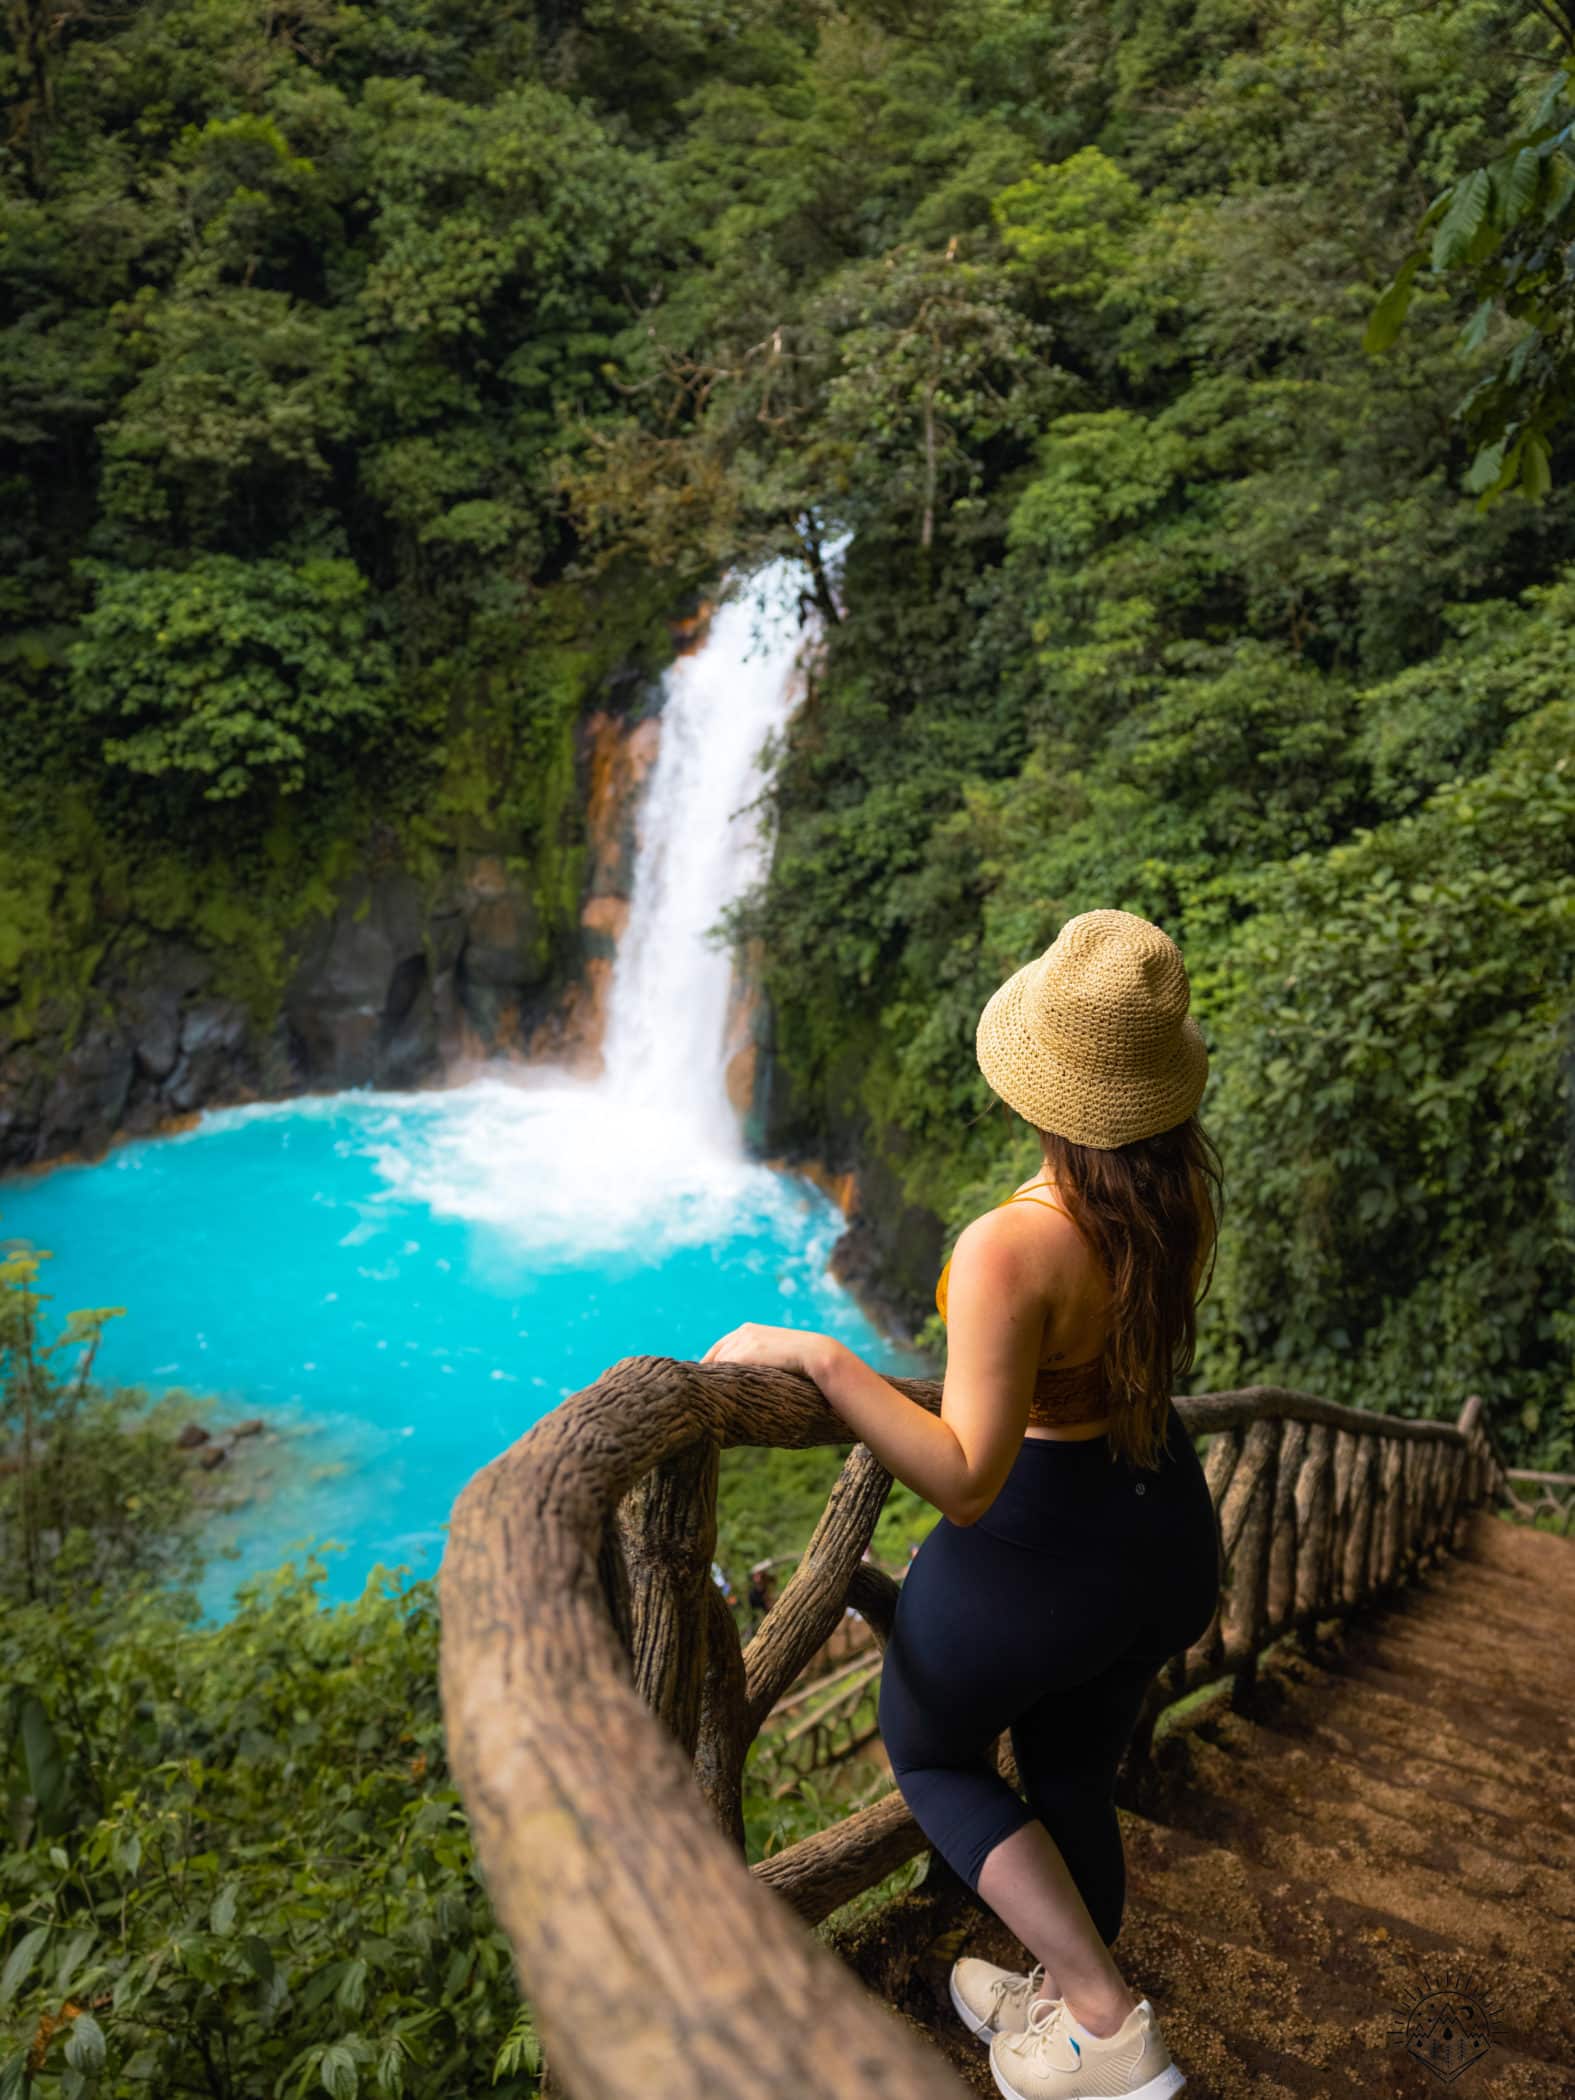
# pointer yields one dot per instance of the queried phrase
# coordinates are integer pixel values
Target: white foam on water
(572, 1173)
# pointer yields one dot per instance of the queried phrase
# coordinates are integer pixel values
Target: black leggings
(1050, 1616)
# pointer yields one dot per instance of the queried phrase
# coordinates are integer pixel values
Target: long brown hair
(1150, 1212)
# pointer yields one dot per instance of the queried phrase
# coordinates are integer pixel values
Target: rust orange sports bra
(1064, 1395)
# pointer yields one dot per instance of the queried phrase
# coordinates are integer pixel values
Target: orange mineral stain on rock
(843, 1189)
(618, 759)
(689, 634)
(572, 1035)
(607, 915)
(741, 1047)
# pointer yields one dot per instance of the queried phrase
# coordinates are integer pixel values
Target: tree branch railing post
(1520, 1490)
(600, 1706)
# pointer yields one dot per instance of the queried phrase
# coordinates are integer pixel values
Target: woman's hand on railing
(771, 1348)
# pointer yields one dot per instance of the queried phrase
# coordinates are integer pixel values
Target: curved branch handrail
(584, 1656)
(655, 1965)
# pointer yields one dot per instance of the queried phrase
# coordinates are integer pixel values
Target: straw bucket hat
(1092, 1039)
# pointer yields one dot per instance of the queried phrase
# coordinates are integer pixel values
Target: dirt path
(1389, 1820)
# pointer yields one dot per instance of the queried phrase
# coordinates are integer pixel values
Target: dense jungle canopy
(369, 371)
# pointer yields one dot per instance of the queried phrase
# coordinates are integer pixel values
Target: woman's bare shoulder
(1015, 1243)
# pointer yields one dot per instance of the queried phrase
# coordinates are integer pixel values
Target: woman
(1078, 1547)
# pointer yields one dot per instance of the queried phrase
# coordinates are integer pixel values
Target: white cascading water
(701, 845)
(649, 1155)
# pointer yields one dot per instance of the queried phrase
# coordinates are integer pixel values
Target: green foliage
(1395, 1025)
(1217, 641)
(297, 324)
(236, 1862)
(232, 1859)
(93, 1493)
(1066, 225)
(231, 673)
(240, 393)
(1503, 231)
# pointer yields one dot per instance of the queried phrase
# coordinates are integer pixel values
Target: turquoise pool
(401, 1284)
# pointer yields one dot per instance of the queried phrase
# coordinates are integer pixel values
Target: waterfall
(700, 846)
(647, 1157)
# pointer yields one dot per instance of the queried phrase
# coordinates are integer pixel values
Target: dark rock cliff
(404, 977)
(890, 1254)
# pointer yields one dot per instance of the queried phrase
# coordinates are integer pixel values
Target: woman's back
(1070, 1388)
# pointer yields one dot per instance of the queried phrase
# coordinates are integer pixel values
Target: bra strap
(1029, 1196)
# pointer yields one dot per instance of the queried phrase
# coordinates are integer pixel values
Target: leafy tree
(237, 1864)
(243, 396)
(231, 674)
(93, 1493)
(1395, 1023)
(1224, 614)
(1504, 231)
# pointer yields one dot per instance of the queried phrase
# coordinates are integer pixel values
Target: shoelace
(1009, 1986)
(1043, 2021)
(1040, 2031)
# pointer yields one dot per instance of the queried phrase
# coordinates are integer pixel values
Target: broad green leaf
(1476, 328)
(19, 1963)
(258, 1956)
(322, 1986)
(1385, 320)
(1561, 185)
(85, 2045)
(46, 1765)
(1518, 185)
(389, 2070)
(1485, 467)
(350, 1992)
(1465, 218)
(71, 1959)
(337, 2073)
(1536, 476)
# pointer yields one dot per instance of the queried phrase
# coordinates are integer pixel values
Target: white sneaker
(991, 2001)
(1056, 2058)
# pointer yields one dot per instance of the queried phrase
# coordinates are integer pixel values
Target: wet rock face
(212, 1033)
(890, 1254)
(360, 1006)
(505, 954)
(401, 978)
(398, 978)
(614, 757)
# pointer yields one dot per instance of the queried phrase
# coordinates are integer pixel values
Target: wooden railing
(599, 1706)
(1535, 1496)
